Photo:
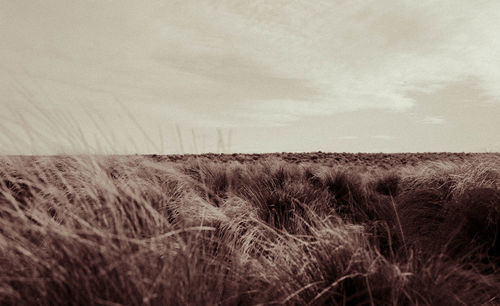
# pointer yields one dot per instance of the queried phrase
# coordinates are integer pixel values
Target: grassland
(299, 229)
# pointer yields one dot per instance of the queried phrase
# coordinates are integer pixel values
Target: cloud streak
(433, 120)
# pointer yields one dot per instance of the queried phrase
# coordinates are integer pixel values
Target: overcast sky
(249, 76)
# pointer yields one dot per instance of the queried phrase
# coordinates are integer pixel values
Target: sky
(249, 76)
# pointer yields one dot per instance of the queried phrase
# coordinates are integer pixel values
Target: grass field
(315, 228)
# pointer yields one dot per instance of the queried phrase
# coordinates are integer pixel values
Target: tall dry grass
(130, 230)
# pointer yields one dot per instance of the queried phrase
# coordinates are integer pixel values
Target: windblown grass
(131, 230)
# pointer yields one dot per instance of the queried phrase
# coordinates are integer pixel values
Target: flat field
(313, 228)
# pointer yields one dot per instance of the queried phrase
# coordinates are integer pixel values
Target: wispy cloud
(349, 137)
(438, 120)
(383, 137)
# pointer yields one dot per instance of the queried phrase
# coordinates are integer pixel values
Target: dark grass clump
(423, 216)
(388, 184)
(480, 212)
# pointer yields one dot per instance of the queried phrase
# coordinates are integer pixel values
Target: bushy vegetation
(139, 230)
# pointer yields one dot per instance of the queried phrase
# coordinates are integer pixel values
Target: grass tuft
(128, 230)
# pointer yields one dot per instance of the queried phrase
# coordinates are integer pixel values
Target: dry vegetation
(246, 229)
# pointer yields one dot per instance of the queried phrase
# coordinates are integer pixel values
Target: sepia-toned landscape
(249, 152)
(250, 229)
